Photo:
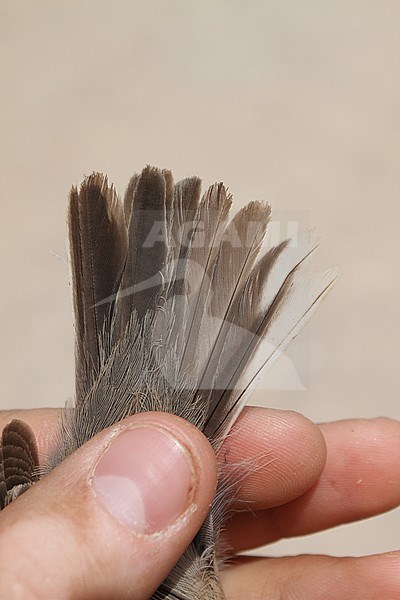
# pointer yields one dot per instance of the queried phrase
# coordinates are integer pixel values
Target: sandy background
(293, 102)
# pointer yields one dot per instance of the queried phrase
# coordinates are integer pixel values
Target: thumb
(112, 519)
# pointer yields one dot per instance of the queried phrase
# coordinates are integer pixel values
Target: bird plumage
(177, 309)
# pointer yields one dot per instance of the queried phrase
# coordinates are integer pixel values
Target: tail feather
(142, 280)
(186, 198)
(239, 247)
(98, 249)
(292, 308)
(208, 228)
(128, 197)
(247, 324)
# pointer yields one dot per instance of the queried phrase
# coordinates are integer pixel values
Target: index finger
(285, 452)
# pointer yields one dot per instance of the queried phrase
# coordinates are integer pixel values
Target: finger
(315, 577)
(285, 451)
(117, 514)
(361, 479)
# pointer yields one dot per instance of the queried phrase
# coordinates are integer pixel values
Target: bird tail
(178, 308)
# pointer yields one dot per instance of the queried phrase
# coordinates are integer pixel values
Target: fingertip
(288, 451)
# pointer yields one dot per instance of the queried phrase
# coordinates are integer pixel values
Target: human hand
(311, 485)
(59, 539)
(113, 518)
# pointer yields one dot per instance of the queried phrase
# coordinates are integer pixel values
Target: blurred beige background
(293, 102)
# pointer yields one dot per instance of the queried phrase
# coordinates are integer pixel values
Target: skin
(304, 478)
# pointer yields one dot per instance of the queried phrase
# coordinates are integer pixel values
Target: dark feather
(128, 197)
(144, 272)
(98, 246)
(18, 460)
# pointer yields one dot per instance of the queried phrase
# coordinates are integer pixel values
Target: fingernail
(145, 478)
